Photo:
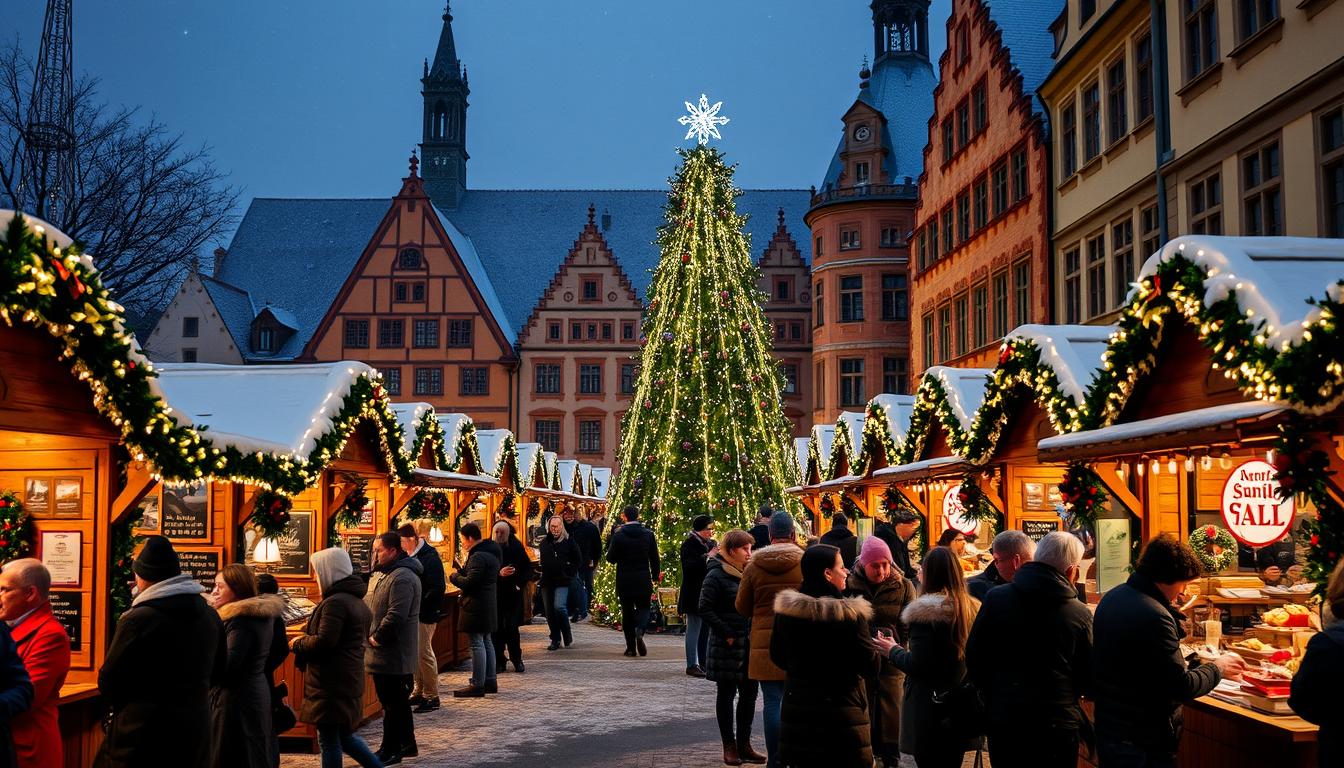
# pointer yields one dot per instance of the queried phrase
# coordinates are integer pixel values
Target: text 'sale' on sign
(954, 513)
(1252, 509)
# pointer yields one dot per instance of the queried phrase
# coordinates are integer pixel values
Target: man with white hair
(1029, 653)
(1010, 550)
(44, 648)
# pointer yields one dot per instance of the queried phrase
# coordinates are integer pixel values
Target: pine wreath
(429, 505)
(849, 508)
(351, 510)
(1083, 493)
(1215, 548)
(16, 528)
(270, 513)
(894, 502)
(827, 505)
(973, 500)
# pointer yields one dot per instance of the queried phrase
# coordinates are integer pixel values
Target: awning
(434, 478)
(928, 469)
(1218, 424)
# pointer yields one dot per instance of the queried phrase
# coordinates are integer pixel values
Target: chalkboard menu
(296, 544)
(68, 608)
(361, 552)
(186, 513)
(201, 564)
(1037, 529)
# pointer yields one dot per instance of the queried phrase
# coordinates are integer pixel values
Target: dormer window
(266, 340)
(409, 258)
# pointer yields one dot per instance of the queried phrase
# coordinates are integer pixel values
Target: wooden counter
(1223, 735)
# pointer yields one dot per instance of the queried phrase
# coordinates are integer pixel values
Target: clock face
(861, 133)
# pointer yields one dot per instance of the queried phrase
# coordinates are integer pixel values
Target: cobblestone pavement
(585, 706)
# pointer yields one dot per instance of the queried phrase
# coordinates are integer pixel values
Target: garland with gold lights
(433, 506)
(976, 505)
(351, 511)
(270, 513)
(1302, 469)
(841, 448)
(16, 528)
(1083, 493)
(877, 433)
(1019, 374)
(932, 402)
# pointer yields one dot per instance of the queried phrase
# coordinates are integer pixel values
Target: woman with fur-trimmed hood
(240, 699)
(821, 642)
(934, 661)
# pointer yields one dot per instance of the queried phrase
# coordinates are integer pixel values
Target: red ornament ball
(685, 258)
(648, 404)
(685, 445)
(764, 405)
(1210, 532)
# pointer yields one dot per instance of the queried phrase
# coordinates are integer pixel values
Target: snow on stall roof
(451, 477)
(549, 459)
(565, 468)
(965, 390)
(853, 421)
(602, 481)
(585, 474)
(490, 444)
(1179, 422)
(409, 416)
(824, 436)
(897, 410)
(1073, 352)
(1272, 277)
(527, 458)
(800, 446)
(914, 468)
(281, 409)
(839, 481)
(452, 425)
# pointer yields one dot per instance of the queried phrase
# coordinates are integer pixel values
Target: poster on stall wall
(1112, 553)
(61, 553)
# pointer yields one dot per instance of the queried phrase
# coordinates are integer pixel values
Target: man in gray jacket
(394, 600)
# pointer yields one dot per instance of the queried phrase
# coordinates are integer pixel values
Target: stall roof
(528, 453)
(1271, 277)
(964, 388)
(409, 416)
(823, 437)
(839, 482)
(491, 443)
(585, 476)
(1073, 352)
(851, 422)
(565, 469)
(453, 424)
(549, 458)
(601, 481)
(800, 446)
(435, 478)
(923, 470)
(896, 409)
(1219, 423)
(281, 409)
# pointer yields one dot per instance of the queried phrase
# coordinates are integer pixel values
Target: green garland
(1084, 494)
(16, 528)
(351, 511)
(877, 436)
(976, 504)
(893, 501)
(1302, 469)
(270, 513)
(1019, 375)
(849, 508)
(932, 402)
(120, 575)
(1206, 536)
(428, 505)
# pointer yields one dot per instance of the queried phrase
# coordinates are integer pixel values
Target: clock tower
(444, 143)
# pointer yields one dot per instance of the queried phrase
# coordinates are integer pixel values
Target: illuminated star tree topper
(704, 120)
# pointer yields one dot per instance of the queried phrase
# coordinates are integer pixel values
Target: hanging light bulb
(1155, 468)
(1206, 462)
(435, 534)
(1189, 463)
(1141, 467)
(267, 551)
(1121, 471)
(1171, 465)
(1269, 456)
(1225, 461)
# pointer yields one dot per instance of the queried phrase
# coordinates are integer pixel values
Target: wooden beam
(250, 494)
(1106, 472)
(403, 499)
(340, 492)
(139, 483)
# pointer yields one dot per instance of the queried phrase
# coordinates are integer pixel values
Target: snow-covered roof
(435, 478)
(1073, 352)
(490, 443)
(528, 456)
(823, 436)
(918, 470)
(283, 316)
(601, 481)
(549, 460)
(896, 409)
(585, 475)
(280, 409)
(565, 470)
(800, 446)
(965, 390)
(452, 425)
(409, 416)
(852, 421)
(1271, 277)
(839, 482)
(1171, 425)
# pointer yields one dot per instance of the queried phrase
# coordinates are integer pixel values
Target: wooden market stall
(1221, 378)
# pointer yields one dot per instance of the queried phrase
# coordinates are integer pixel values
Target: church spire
(900, 28)
(446, 65)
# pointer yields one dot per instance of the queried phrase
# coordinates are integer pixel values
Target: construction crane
(47, 181)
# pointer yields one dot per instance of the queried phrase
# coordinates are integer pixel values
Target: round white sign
(954, 514)
(1251, 506)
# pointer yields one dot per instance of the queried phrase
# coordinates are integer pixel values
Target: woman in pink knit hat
(876, 579)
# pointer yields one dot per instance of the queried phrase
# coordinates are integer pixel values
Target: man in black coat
(634, 551)
(760, 532)
(171, 638)
(478, 579)
(425, 690)
(1010, 550)
(695, 551)
(843, 539)
(897, 536)
(1038, 622)
(589, 540)
(1141, 679)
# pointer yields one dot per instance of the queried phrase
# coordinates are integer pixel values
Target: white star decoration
(704, 120)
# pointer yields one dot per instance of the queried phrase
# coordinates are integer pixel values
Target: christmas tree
(705, 433)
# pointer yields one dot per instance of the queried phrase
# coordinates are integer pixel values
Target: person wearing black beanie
(172, 633)
(695, 551)
(824, 716)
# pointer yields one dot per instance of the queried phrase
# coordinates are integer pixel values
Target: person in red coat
(44, 647)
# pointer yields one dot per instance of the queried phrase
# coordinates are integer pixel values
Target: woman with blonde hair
(934, 662)
(1320, 678)
(559, 565)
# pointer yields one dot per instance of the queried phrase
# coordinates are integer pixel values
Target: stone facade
(191, 329)
(981, 244)
(785, 282)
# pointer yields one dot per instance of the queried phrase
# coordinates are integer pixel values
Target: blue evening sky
(321, 99)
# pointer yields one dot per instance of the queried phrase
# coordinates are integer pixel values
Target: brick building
(982, 236)
(860, 219)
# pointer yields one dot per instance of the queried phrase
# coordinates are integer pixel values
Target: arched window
(409, 259)
(439, 125)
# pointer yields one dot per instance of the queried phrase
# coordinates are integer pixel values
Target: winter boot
(747, 754)
(730, 754)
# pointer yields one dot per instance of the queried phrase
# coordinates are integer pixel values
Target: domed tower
(862, 216)
(444, 142)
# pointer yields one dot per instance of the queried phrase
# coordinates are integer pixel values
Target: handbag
(282, 715)
(962, 710)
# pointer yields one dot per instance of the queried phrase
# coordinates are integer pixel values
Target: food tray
(1264, 655)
